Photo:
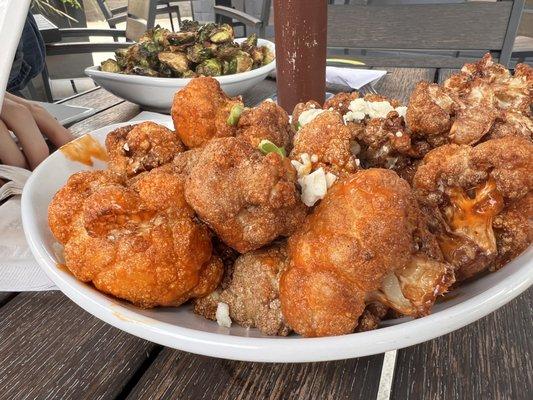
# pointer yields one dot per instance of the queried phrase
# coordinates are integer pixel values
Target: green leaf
(266, 146)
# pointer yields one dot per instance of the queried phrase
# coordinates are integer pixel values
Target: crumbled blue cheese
(360, 108)
(309, 115)
(222, 315)
(314, 184)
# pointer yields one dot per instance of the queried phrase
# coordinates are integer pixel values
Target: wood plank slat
(445, 73)
(179, 375)
(52, 349)
(122, 112)
(465, 26)
(400, 82)
(489, 359)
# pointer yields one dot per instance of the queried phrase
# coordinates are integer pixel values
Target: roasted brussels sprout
(160, 35)
(178, 62)
(257, 56)
(222, 34)
(250, 43)
(110, 65)
(180, 38)
(121, 56)
(227, 51)
(268, 56)
(189, 74)
(229, 67)
(205, 31)
(197, 53)
(211, 67)
(244, 61)
(144, 71)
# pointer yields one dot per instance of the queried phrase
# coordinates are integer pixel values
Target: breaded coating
(138, 241)
(479, 199)
(300, 108)
(137, 148)
(365, 241)
(330, 140)
(266, 121)
(252, 292)
(340, 102)
(200, 112)
(247, 198)
(511, 123)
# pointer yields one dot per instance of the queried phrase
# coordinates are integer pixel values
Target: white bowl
(157, 93)
(181, 329)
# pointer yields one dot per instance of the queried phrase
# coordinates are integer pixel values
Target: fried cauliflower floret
(252, 292)
(429, 113)
(365, 242)
(480, 201)
(142, 147)
(266, 121)
(68, 201)
(247, 198)
(340, 102)
(200, 112)
(475, 114)
(327, 138)
(139, 241)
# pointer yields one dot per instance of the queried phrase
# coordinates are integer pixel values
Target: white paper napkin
(19, 272)
(351, 77)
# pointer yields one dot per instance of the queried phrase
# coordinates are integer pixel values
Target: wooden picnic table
(52, 349)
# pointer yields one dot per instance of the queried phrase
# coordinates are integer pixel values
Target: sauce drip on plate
(84, 149)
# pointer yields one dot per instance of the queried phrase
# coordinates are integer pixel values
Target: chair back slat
(467, 26)
(141, 16)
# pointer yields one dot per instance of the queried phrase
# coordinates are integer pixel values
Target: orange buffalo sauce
(472, 218)
(84, 149)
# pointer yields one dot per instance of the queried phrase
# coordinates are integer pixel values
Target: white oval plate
(180, 328)
(157, 93)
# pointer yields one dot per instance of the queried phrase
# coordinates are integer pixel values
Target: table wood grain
(52, 349)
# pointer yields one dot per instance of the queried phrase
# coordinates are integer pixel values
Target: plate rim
(275, 349)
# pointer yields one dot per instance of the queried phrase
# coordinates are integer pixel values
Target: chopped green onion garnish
(235, 114)
(266, 146)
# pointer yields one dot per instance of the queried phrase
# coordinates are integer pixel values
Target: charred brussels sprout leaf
(110, 65)
(211, 67)
(229, 67)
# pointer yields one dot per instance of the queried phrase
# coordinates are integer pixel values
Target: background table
(52, 349)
